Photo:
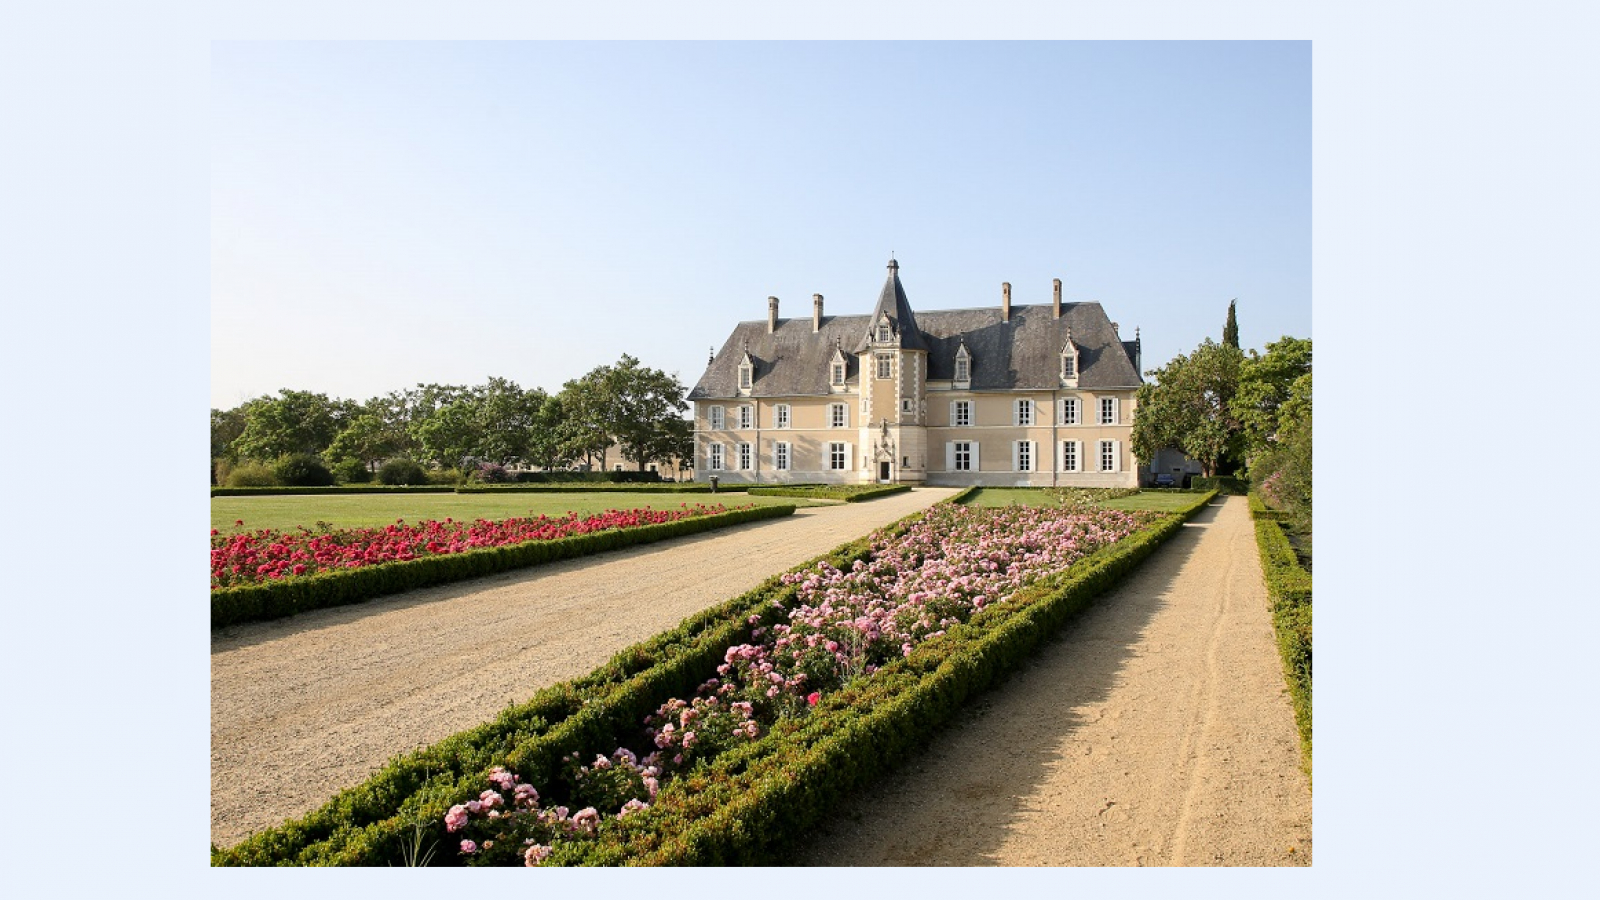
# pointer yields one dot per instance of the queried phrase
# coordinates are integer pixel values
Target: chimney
(816, 313)
(1005, 301)
(772, 314)
(1057, 283)
(1138, 352)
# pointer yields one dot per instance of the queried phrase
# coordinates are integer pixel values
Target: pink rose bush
(253, 556)
(841, 625)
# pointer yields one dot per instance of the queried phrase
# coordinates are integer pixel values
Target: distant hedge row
(849, 493)
(685, 487)
(288, 596)
(1224, 483)
(1289, 587)
(751, 803)
(337, 489)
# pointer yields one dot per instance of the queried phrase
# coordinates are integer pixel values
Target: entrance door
(883, 472)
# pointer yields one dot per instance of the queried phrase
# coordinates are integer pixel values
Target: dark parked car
(1165, 480)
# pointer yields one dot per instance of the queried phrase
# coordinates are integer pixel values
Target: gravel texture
(1155, 730)
(305, 706)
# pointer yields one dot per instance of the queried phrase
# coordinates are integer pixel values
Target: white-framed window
(1108, 456)
(716, 416)
(963, 456)
(1108, 410)
(745, 461)
(838, 456)
(963, 370)
(714, 457)
(1070, 456)
(1024, 455)
(838, 374)
(780, 415)
(746, 376)
(885, 365)
(747, 415)
(1024, 412)
(908, 407)
(780, 456)
(961, 412)
(883, 332)
(1069, 411)
(838, 415)
(1069, 366)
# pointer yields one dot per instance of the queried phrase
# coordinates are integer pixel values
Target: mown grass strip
(849, 493)
(286, 597)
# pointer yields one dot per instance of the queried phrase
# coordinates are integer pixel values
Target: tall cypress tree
(1230, 331)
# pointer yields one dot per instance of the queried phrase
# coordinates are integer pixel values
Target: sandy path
(1155, 730)
(305, 706)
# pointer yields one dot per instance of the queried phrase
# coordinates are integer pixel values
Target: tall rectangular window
(963, 456)
(744, 456)
(1108, 410)
(1108, 456)
(885, 365)
(838, 415)
(1069, 411)
(781, 416)
(715, 462)
(1024, 412)
(1069, 367)
(744, 378)
(963, 413)
(746, 414)
(780, 457)
(716, 418)
(838, 373)
(836, 457)
(1024, 456)
(1069, 456)
(963, 370)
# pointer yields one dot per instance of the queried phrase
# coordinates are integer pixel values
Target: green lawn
(1001, 496)
(366, 510)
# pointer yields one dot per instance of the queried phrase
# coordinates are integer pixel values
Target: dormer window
(747, 372)
(963, 364)
(883, 332)
(836, 368)
(838, 374)
(1069, 362)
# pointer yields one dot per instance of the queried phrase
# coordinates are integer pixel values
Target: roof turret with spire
(893, 306)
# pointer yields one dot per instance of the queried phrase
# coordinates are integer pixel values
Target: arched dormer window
(963, 373)
(1069, 362)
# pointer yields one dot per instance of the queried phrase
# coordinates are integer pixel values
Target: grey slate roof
(1022, 354)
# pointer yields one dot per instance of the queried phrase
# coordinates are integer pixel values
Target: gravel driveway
(1155, 730)
(305, 706)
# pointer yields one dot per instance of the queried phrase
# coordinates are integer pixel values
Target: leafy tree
(1265, 383)
(1230, 331)
(549, 437)
(506, 418)
(368, 437)
(586, 429)
(644, 412)
(292, 422)
(226, 426)
(450, 434)
(1189, 406)
(1282, 471)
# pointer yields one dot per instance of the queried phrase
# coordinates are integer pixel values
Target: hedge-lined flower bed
(1289, 588)
(561, 785)
(271, 574)
(849, 493)
(555, 487)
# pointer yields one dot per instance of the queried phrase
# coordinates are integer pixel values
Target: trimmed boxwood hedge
(1224, 483)
(751, 802)
(1289, 588)
(371, 823)
(680, 487)
(285, 597)
(336, 489)
(849, 493)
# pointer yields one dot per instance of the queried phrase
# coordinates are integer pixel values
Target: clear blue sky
(391, 213)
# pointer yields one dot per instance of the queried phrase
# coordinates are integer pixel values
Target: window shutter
(1116, 449)
(1116, 411)
(1033, 456)
(1016, 463)
(949, 455)
(976, 466)
(952, 412)
(849, 457)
